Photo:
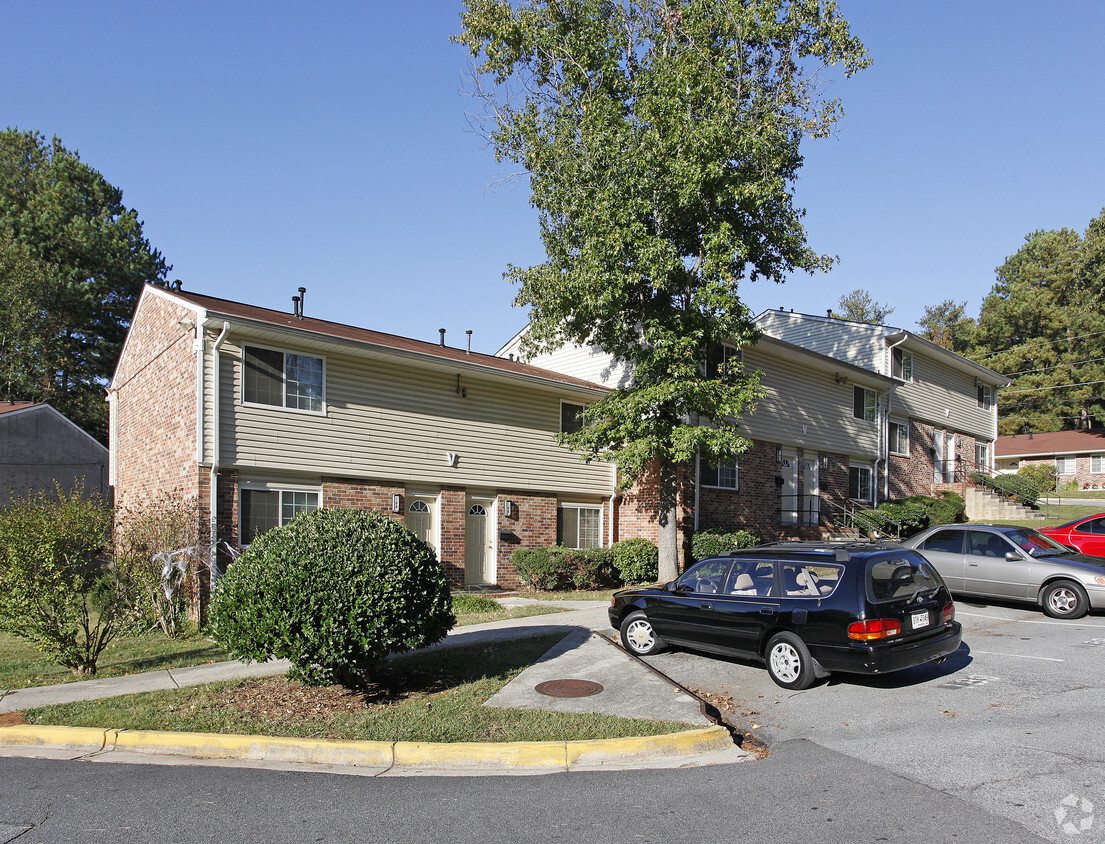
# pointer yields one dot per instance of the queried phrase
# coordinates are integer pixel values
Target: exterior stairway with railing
(987, 505)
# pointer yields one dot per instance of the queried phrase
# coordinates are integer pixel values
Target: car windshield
(1035, 543)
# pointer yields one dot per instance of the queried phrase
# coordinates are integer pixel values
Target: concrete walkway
(629, 688)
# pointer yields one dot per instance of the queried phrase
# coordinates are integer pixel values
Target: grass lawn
(600, 595)
(22, 665)
(435, 696)
(1077, 493)
(1059, 516)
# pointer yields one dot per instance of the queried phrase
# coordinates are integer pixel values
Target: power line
(1049, 368)
(1055, 387)
(1041, 343)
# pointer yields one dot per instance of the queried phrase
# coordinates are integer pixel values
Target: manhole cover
(568, 688)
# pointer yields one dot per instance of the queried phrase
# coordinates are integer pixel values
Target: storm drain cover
(568, 688)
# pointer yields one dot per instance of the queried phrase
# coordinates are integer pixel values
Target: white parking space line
(1029, 620)
(1018, 656)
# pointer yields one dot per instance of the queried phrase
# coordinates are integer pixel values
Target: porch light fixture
(824, 462)
(395, 502)
(508, 509)
(778, 454)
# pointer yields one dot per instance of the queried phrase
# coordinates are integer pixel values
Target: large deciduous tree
(1043, 325)
(661, 140)
(77, 259)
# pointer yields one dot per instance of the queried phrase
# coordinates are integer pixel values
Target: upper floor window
(899, 437)
(723, 474)
(571, 417)
(901, 364)
(985, 396)
(282, 379)
(721, 359)
(863, 404)
(1066, 465)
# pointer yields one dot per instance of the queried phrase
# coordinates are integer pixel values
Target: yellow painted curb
(259, 748)
(381, 754)
(82, 739)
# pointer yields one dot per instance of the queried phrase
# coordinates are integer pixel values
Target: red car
(1087, 535)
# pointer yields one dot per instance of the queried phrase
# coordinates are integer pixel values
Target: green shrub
(709, 543)
(1040, 475)
(636, 560)
(1019, 488)
(59, 588)
(334, 591)
(465, 603)
(557, 568)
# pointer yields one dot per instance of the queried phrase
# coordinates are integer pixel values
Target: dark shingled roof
(283, 319)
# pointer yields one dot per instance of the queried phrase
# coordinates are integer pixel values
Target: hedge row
(908, 516)
(630, 561)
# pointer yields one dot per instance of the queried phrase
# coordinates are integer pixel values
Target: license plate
(919, 619)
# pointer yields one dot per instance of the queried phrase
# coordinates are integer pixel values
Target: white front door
(420, 520)
(789, 492)
(949, 462)
(811, 501)
(478, 549)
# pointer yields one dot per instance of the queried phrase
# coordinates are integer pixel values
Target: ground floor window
(578, 526)
(723, 474)
(1066, 465)
(899, 437)
(264, 509)
(859, 483)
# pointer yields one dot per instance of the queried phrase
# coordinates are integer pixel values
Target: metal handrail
(849, 515)
(1003, 484)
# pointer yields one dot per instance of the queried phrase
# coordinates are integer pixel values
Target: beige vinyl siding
(588, 364)
(944, 397)
(855, 344)
(390, 419)
(807, 407)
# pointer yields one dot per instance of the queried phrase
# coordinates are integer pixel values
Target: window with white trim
(578, 526)
(901, 364)
(724, 474)
(859, 483)
(863, 404)
(985, 396)
(282, 379)
(1097, 463)
(722, 360)
(982, 456)
(899, 437)
(571, 417)
(265, 509)
(1066, 465)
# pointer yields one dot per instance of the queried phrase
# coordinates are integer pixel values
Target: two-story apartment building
(937, 418)
(260, 414)
(810, 453)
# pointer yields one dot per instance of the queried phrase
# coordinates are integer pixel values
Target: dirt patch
(277, 699)
(738, 718)
(11, 719)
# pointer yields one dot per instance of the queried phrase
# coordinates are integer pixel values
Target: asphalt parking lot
(1012, 722)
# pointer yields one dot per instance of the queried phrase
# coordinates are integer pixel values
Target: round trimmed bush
(637, 560)
(334, 592)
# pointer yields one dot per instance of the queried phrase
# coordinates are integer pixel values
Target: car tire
(1064, 599)
(789, 662)
(639, 636)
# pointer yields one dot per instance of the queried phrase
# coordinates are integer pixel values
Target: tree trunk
(668, 518)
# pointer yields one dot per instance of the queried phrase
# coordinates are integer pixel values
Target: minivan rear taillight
(877, 628)
(949, 613)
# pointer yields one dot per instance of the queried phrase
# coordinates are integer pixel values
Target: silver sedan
(1014, 564)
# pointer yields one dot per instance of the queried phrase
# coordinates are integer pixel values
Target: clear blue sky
(272, 145)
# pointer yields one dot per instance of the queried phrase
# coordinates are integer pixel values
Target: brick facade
(914, 474)
(153, 427)
(1083, 476)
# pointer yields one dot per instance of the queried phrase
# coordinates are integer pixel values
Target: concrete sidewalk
(629, 688)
